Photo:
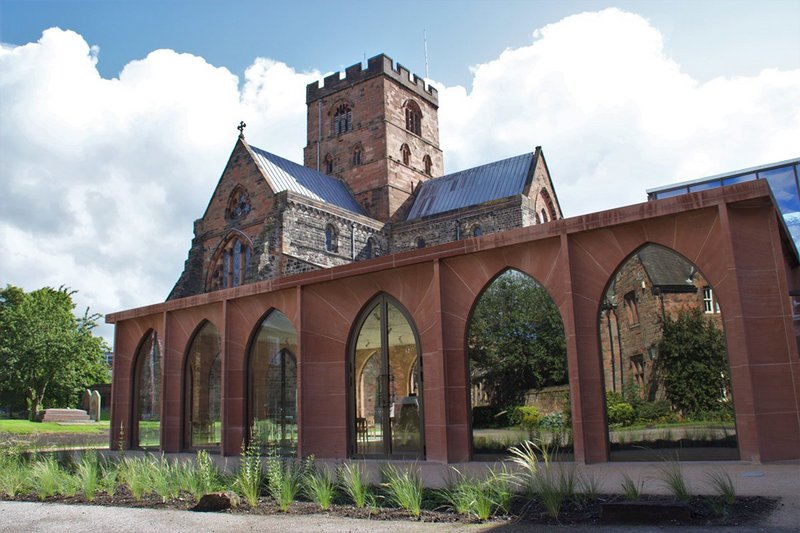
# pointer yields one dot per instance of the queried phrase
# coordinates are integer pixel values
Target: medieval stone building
(371, 185)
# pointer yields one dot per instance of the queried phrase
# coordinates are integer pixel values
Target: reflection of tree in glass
(516, 340)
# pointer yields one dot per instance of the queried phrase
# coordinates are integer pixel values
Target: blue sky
(117, 118)
(707, 37)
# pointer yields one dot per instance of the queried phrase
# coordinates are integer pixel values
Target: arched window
(420, 242)
(342, 119)
(329, 164)
(273, 385)
(369, 249)
(476, 230)
(544, 216)
(357, 155)
(331, 239)
(146, 430)
(413, 117)
(230, 263)
(386, 383)
(238, 204)
(203, 389)
(428, 164)
(405, 152)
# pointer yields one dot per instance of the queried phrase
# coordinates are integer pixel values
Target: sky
(117, 117)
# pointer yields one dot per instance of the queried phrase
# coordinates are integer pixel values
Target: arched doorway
(519, 385)
(665, 365)
(146, 427)
(203, 389)
(385, 383)
(273, 385)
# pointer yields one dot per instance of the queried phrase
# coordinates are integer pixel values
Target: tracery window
(428, 164)
(230, 264)
(342, 119)
(331, 238)
(405, 152)
(357, 155)
(239, 204)
(413, 117)
(329, 164)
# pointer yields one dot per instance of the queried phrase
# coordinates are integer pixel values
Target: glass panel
(237, 257)
(273, 385)
(370, 386)
(666, 374)
(738, 179)
(404, 404)
(713, 184)
(669, 194)
(519, 384)
(784, 188)
(149, 391)
(225, 269)
(205, 366)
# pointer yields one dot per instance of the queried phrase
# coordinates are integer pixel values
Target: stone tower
(377, 129)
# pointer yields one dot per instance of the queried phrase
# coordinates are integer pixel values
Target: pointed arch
(516, 356)
(202, 388)
(413, 115)
(654, 292)
(230, 262)
(239, 205)
(405, 154)
(386, 412)
(145, 427)
(272, 394)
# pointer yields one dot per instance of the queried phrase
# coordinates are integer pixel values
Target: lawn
(26, 427)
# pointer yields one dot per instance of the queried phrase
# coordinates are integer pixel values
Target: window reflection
(148, 390)
(204, 389)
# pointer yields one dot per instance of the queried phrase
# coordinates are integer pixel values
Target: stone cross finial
(241, 128)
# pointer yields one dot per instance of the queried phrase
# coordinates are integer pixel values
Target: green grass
(26, 427)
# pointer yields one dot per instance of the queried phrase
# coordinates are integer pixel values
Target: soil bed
(705, 510)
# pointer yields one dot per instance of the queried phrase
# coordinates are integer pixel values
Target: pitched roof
(666, 268)
(285, 175)
(472, 186)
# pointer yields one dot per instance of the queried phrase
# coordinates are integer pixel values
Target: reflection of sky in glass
(738, 179)
(704, 186)
(784, 187)
(670, 194)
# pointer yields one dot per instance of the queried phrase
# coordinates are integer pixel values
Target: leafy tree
(516, 340)
(47, 354)
(692, 363)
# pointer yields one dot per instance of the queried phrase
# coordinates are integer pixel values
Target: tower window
(331, 239)
(428, 164)
(342, 119)
(413, 118)
(405, 152)
(329, 164)
(357, 155)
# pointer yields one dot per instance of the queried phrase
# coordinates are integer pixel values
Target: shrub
(527, 416)
(657, 411)
(621, 414)
(249, 477)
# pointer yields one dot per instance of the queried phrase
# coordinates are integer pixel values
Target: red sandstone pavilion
(325, 307)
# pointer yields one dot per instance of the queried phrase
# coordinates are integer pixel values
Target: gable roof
(473, 186)
(285, 175)
(666, 268)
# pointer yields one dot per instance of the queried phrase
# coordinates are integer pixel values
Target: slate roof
(473, 186)
(285, 175)
(665, 267)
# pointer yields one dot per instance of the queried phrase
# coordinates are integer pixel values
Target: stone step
(65, 415)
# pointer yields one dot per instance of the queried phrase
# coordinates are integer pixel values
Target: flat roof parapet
(376, 66)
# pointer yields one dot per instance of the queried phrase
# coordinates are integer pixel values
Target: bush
(658, 411)
(527, 416)
(621, 414)
(552, 421)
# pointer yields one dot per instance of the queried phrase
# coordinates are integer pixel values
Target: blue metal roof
(285, 175)
(473, 186)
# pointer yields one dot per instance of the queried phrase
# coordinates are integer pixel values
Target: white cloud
(614, 114)
(101, 179)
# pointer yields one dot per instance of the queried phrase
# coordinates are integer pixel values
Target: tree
(692, 363)
(516, 340)
(47, 354)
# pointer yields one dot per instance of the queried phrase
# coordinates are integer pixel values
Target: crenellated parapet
(376, 66)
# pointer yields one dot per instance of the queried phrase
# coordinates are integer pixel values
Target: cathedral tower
(377, 129)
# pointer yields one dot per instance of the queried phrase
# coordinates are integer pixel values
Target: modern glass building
(782, 178)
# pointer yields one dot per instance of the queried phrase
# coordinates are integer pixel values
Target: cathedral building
(372, 184)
